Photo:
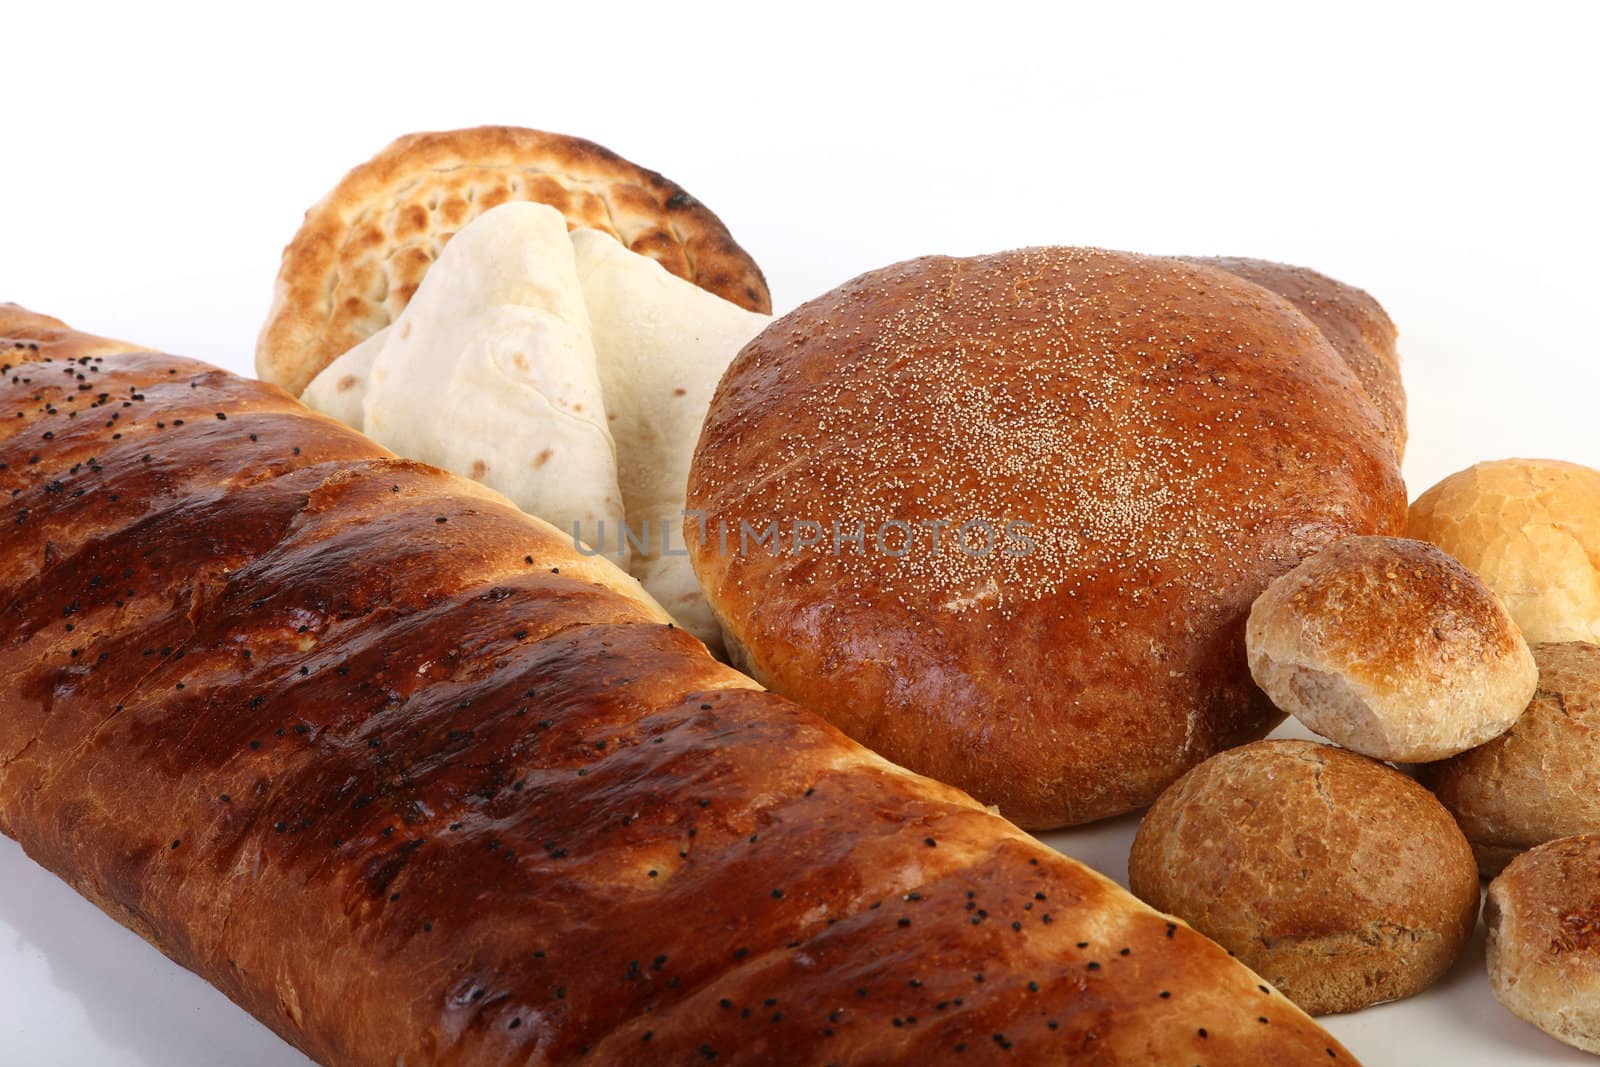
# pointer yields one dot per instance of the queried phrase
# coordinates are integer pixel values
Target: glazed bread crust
(1338, 878)
(410, 780)
(1174, 435)
(1354, 323)
(363, 249)
(1543, 919)
(1540, 780)
(1389, 647)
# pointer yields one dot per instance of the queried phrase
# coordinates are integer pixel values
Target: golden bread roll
(1543, 918)
(1539, 780)
(363, 249)
(1530, 528)
(1389, 647)
(395, 768)
(1337, 878)
(1169, 437)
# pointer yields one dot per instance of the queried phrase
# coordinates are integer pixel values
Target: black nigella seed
(1265, 990)
(427, 927)
(1172, 928)
(1202, 1033)
(255, 744)
(1033, 987)
(280, 826)
(1166, 994)
(777, 894)
(654, 873)
(930, 842)
(725, 1002)
(222, 417)
(1016, 926)
(740, 953)
(515, 1023)
(905, 922)
(561, 992)
(646, 1035)
(1093, 966)
(1125, 952)
(176, 842)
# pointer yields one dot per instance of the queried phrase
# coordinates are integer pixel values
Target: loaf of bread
(1391, 648)
(1530, 528)
(1539, 780)
(409, 779)
(1022, 503)
(1337, 877)
(1543, 918)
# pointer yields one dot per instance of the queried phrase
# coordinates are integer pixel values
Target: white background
(155, 161)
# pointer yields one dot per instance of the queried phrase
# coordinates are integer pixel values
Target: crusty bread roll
(1170, 435)
(1354, 323)
(1543, 918)
(1530, 528)
(1337, 878)
(414, 782)
(1391, 648)
(1539, 780)
(364, 248)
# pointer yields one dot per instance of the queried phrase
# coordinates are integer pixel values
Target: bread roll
(1338, 879)
(1391, 648)
(412, 781)
(1540, 780)
(1530, 528)
(364, 248)
(1543, 916)
(1169, 436)
(1354, 323)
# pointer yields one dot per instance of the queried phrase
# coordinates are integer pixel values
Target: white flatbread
(662, 345)
(569, 373)
(490, 372)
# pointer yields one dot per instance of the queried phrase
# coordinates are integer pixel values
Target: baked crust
(1540, 780)
(1177, 437)
(397, 770)
(1530, 528)
(1543, 919)
(363, 249)
(1390, 647)
(1338, 878)
(1352, 321)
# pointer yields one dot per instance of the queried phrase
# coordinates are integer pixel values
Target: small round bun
(1392, 649)
(1530, 528)
(1540, 780)
(1543, 917)
(1338, 879)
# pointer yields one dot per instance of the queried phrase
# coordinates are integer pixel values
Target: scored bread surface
(405, 776)
(362, 250)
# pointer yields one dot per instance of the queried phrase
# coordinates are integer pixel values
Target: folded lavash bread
(489, 372)
(662, 345)
(414, 782)
(656, 346)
